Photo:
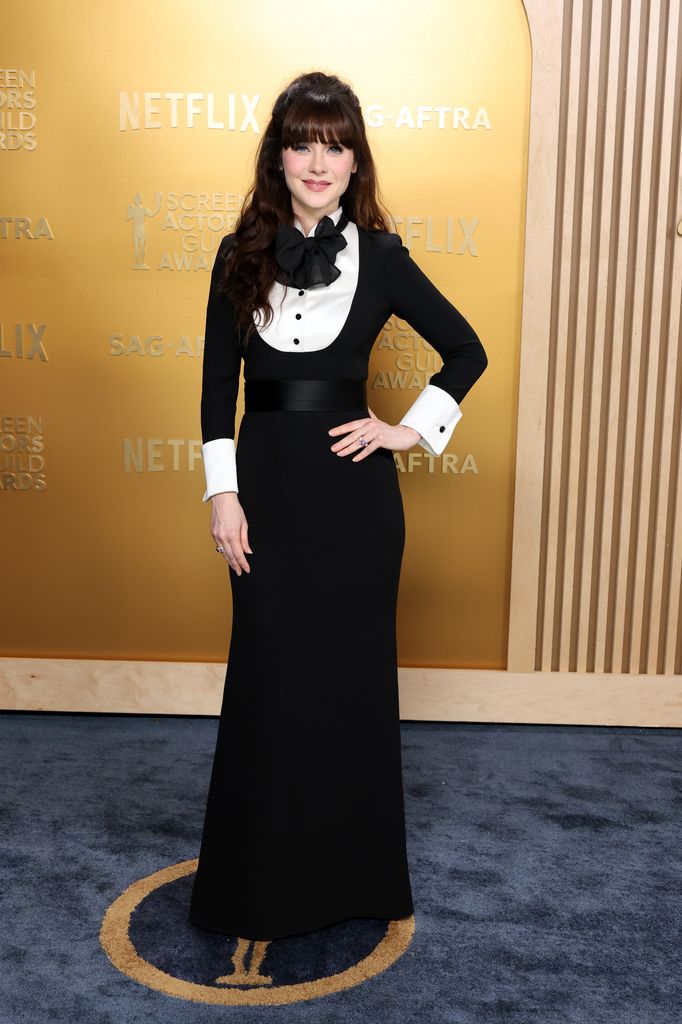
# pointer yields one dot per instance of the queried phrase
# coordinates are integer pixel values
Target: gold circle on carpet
(115, 939)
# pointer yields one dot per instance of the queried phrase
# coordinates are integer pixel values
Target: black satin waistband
(304, 395)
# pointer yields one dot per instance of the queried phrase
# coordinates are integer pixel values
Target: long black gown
(304, 824)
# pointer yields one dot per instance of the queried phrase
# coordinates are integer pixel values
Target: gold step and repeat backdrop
(127, 138)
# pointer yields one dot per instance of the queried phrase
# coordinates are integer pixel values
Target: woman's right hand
(229, 529)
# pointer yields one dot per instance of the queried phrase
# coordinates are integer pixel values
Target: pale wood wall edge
(440, 695)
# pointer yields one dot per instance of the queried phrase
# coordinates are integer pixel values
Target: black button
(441, 429)
(301, 292)
(298, 316)
(296, 341)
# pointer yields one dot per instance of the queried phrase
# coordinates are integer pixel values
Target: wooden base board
(426, 694)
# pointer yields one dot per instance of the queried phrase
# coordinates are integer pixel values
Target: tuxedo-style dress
(304, 824)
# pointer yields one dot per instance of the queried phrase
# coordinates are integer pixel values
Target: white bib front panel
(306, 320)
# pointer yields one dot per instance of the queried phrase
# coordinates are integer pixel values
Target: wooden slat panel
(646, 375)
(624, 520)
(655, 603)
(558, 316)
(585, 65)
(595, 23)
(595, 414)
(609, 585)
(621, 144)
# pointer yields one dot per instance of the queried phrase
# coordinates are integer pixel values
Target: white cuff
(220, 466)
(435, 414)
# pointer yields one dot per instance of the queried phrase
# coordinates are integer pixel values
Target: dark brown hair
(314, 107)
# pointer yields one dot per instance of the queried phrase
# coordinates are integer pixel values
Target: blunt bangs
(316, 121)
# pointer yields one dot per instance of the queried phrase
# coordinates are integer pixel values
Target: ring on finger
(362, 440)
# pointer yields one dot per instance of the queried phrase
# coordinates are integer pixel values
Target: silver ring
(220, 550)
(362, 441)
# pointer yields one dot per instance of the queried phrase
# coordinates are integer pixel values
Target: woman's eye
(304, 145)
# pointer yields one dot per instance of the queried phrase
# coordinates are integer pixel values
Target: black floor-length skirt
(304, 824)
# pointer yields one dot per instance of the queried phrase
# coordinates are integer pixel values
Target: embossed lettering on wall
(23, 341)
(22, 454)
(155, 345)
(158, 454)
(25, 228)
(194, 221)
(18, 118)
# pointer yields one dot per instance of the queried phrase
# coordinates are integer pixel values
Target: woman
(304, 823)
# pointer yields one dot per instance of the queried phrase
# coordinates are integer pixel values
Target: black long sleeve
(222, 358)
(414, 298)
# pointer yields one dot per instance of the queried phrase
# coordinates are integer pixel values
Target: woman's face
(317, 175)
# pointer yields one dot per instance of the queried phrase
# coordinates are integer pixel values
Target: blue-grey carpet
(545, 864)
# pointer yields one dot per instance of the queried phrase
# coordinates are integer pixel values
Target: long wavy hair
(314, 107)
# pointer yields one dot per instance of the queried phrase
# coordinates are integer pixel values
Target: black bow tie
(309, 261)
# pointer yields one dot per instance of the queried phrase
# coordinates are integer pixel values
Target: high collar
(334, 215)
